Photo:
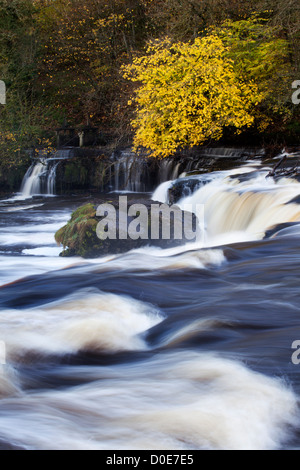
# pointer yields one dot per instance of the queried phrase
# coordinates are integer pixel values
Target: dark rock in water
(244, 177)
(286, 167)
(277, 228)
(142, 223)
(295, 200)
(185, 187)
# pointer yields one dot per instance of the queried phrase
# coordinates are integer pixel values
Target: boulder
(184, 187)
(138, 224)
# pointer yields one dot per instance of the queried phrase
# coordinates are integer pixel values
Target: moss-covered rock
(80, 237)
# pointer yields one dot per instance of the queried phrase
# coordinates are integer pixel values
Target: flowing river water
(186, 348)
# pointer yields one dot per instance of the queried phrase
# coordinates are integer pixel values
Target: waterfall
(51, 179)
(239, 205)
(32, 180)
(125, 170)
(166, 170)
(40, 179)
(161, 193)
(130, 173)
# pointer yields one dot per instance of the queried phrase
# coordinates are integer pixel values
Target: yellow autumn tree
(188, 93)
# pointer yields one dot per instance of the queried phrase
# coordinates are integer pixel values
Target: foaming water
(9, 382)
(239, 205)
(162, 260)
(27, 244)
(19, 208)
(13, 268)
(87, 320)
(161, 193)
(177, 401)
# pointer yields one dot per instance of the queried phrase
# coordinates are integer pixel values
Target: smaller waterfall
(124, 171)
(166, 170)
(135, 173)
(51, 179)
(32, 180)
(40, 179)
(130, 173)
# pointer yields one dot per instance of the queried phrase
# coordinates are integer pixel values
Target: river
(181, 349)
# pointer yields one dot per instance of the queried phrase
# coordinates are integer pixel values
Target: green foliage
(262, 56)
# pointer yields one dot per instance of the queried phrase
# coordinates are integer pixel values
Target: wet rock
(185, 187)
(142, 223)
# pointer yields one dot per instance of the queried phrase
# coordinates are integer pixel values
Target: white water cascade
(40, 179)
(51, 179)
(239, 205)
(32, 183)
(130, 173)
